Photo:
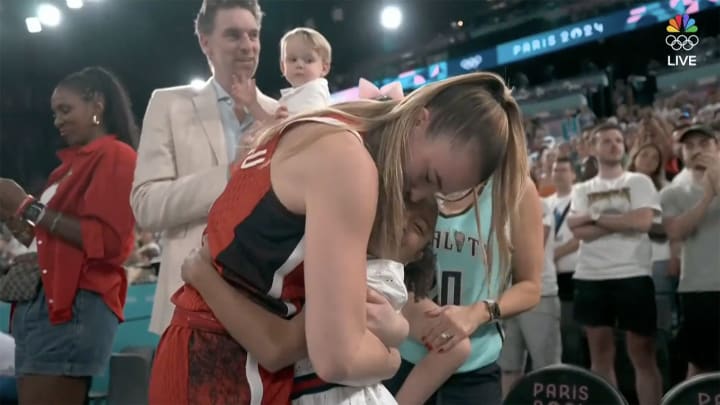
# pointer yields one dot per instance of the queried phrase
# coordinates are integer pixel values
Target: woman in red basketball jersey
(291, 230)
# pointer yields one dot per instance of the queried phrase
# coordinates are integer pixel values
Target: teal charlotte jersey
(462, 279)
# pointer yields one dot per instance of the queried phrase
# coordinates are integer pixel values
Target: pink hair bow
(367, 90)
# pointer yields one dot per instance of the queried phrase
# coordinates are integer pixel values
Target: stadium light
(33, 25)
(391, 17)
(74, 4)
(49, 15)
(197, 83)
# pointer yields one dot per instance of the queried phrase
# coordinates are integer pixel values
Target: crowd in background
(566, 155)
(657, 125)
(653, 143)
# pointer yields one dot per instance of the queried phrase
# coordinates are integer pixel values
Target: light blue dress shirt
(232, 127)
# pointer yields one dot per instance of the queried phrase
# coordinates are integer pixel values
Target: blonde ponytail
(471, 108)
(509, 184)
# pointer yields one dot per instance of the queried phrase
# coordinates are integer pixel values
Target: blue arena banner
(579, 33)
(561, 38)
(598, 28)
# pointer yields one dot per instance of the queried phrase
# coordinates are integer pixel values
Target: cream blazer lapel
(206, 109)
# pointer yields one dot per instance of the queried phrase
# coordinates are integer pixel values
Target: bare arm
(566, 248)
(528, 258)
(674, 267)
(637, 220)
(680, 227)
(275, 342)
(435, 368)
(645, 200)
(160, 198)
(384, 321)
(577, 220)
(341, 189)
(588, 233)
(394, 333)
(579, 215)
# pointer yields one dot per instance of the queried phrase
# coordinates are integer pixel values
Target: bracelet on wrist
(23, 206)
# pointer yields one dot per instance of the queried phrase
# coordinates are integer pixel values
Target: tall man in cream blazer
(189, 138)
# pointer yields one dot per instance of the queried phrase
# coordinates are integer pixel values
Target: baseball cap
(697, 129)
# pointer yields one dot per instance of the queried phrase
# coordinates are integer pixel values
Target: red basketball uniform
(258, 246)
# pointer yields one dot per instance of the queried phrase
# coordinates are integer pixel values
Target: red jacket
(97, 192)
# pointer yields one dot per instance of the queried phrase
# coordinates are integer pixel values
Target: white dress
(385, 277)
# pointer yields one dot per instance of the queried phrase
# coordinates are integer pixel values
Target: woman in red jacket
(83, 233)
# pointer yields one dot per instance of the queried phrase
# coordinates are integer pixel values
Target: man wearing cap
(691, 215)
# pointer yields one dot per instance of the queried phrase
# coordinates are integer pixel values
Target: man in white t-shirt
(691, 213)
(611, 215)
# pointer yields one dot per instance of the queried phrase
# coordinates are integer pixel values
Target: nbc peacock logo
(681, 35)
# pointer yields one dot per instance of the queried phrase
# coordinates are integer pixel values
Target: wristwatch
(493, 310)
(34, 213)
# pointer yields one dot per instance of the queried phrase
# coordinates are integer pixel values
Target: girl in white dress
(392, 280)
(387, 280)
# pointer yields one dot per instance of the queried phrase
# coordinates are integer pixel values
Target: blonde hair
(312, 37)
(475, 107)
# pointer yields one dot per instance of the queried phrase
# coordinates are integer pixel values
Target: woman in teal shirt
(455, 340)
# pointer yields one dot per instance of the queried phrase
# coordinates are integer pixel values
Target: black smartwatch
(493, 310)
(34, 213)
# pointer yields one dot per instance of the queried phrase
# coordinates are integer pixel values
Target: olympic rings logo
(685, 42)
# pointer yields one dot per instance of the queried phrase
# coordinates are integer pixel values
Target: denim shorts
(80, 347)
